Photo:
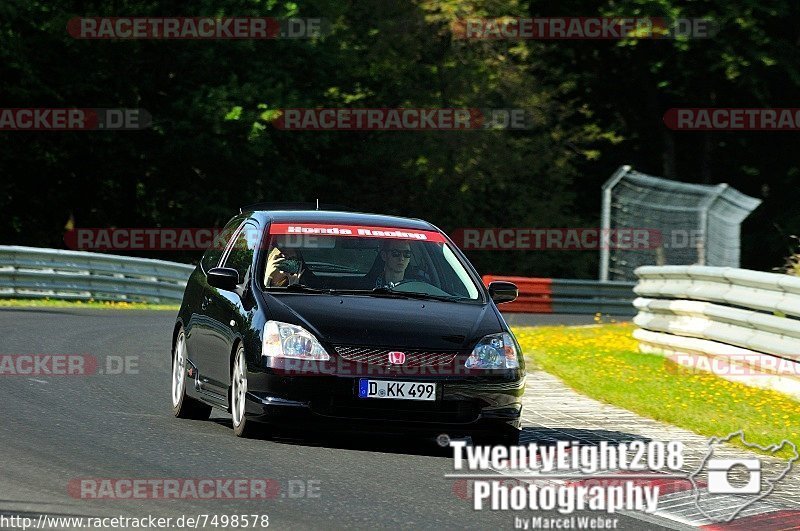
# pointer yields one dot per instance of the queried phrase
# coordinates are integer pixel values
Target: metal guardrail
(558, 295)
(745, 321)
(32, 272)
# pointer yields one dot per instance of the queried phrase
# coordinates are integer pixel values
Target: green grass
(108, 305)
(603, 362)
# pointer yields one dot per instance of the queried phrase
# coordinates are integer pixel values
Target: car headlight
(495, 351)
(284, 340)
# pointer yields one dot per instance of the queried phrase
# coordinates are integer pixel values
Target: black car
(300, 316)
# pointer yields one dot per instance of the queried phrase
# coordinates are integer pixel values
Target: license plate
(396, 390)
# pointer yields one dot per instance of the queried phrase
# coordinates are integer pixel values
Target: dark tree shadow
(395, 440)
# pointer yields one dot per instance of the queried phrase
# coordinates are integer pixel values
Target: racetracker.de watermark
(733, 119)
(192, 488)
(200, 239)
(415, 365)
(735, 364)
(197, 28)
(558, 239)
(72, 119)
(66, 365)
(502, 239)
(403, 119)
(582, 28)
(151, 239)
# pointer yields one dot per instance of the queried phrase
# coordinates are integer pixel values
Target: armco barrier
(31, 272)
(745, 321)
(557, 295)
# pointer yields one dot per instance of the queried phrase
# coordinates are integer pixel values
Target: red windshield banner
(357, 231)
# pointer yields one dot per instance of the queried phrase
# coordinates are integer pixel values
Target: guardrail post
(605, 222)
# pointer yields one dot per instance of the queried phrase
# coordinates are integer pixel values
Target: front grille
(380, 356)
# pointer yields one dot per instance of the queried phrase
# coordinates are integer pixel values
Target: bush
(792, 264)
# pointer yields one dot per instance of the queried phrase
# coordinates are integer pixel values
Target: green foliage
(792, 264)
(212, 147)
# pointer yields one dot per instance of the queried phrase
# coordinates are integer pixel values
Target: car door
(200, 338)
(224, 312)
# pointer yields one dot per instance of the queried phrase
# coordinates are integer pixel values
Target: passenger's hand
(276, 276)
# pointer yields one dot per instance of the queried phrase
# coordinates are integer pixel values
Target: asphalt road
(55, 429)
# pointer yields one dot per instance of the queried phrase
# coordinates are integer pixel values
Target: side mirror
(501, 291)
(223, 278)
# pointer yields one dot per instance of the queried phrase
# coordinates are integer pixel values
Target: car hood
(386, 322)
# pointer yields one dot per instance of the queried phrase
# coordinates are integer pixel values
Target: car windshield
(375, 260)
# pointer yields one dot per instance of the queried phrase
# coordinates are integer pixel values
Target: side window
(214, 253)
(240, 256)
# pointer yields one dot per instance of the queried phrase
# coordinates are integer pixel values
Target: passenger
(284, 268)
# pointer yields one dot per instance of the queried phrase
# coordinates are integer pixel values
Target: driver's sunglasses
(396, 253)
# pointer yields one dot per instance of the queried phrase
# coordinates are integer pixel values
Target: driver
(396, 255)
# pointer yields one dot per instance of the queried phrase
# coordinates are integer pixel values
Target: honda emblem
(397, 358)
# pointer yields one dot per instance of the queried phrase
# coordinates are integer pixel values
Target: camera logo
(734, 484)
(720, 472)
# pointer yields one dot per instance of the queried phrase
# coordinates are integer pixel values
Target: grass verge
(108, 305)
(603, 362)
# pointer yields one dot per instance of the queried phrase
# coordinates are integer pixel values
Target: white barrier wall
(739, 324)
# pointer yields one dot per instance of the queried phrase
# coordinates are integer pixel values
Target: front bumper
(466, 403)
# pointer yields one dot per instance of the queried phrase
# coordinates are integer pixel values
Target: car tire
(500, 438)
(183, 406)
(242, 427)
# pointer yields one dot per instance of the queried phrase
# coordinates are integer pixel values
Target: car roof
(344, 218)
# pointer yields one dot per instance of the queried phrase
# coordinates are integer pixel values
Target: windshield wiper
(376, 291)
(299, 288)
(380, 291)
(427, 296)
(383, 290)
